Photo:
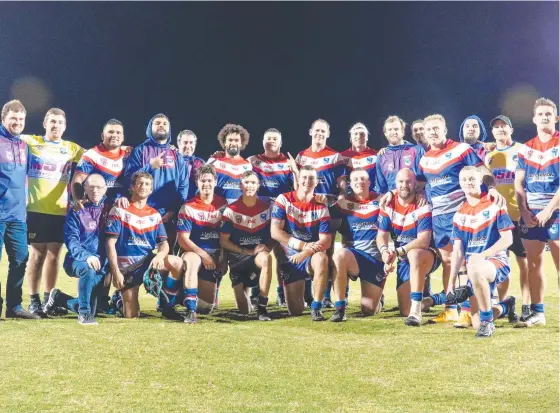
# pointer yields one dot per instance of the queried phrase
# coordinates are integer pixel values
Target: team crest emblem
(555, 152)
(280, 166)
(245, 167)
(370, 160)
(127, 217)
(414, 216)
(63, 150)
(554, 228)
(314, 215)
(91, 225)
(486, 214)
(257, 162)
(290, 210)
(391, 166)
(325, 160)
(529, 153)
(9, 156)
(463, 220)
(524, 229)
(407, 160)
(448, 155)
(222, 165)
(201, 216)
(152, 219)
(263, 217)
(238, 219)
(275, 209)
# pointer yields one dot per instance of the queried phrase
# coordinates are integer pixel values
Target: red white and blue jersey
(441, 168)
(366, 159)
(202, 221)
(109, 165)
(302, 220)
(229, 171)
(479, 227)
(249, 226)
(274, 174)
(406, 222)
(329, 165)
(139, 231)
(541, 162)
(359, 223)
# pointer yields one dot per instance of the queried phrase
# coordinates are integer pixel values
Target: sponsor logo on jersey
(486, 214)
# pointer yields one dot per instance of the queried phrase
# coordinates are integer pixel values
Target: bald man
(412, 251)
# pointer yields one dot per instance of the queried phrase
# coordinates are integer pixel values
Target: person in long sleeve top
(166, 166)
(14, 166)
(186, 144)
(86, 258)
(473, 132)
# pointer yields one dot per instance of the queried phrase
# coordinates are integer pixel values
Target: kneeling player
(359, 256)
(198, 228)
(302, 227)
(246, 234)
(412, 228)
(482, 232)
(132, 233)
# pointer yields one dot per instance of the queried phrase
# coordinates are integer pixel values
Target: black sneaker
(317, 315)
(525, 312)
(262, 313)
(37, 309)
(535, 319)
(170, 313)
(511, 315)
(327, 303)
(190, 318)
(87, 320)
(339, 315)
(486, 329)
(22, 314)
(51, 303)
(412, 321)
(281, 301)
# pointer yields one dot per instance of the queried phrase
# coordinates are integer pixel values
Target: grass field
(228, 364)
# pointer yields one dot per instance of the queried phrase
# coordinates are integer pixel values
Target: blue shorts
(403, 268)
(442, 227)
(549, 232)
(502, 272)
(243, 270)
(370, 269)
(291, 273)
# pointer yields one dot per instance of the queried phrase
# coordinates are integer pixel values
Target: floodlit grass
(228, 364)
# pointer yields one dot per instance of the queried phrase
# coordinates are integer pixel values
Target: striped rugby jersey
(229, 171)
(274, 175)
(366, 159)
(329, 165)
(249, 226)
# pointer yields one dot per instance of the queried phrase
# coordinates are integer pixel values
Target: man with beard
(274, 171)
(411, 226)
(537, 187)
(245, 233)
(14, 165)
(156, 157)
(186, 144)
(417, 132)
(473, 133)
(302, 227)
(52, 162)
(229, 164)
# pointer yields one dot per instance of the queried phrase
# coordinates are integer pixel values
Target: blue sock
(340, 304)
(504, 308)
(191, 297)
(466, 306)
(170, 288)
(328, 291)
(537, 308)
(416, 296)
(438, 298)
(316, 305)
(280, 291)
(486, 316)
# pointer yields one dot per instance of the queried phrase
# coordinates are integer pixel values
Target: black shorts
(134, 273)
(517, 246)
(242, 269)
(42, 228)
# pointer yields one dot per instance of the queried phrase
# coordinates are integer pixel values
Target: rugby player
(441, 166)
(186, 144)
(245, 233)
(359, 155)
(157, 157)
(107, 159)
(359, 256)
(132, 234)
(411, 225)
(275, 174)
(482, 232)
(503, 162)
(538, 196)
(417, 132)
(198, 227)
(52, 161)
(86, 258)
(229, 164)
(14, 164)
(302, 226)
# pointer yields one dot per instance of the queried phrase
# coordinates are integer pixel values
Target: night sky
(278, 65)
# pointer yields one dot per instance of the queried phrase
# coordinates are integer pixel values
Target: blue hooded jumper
(478, 147)
(14, 165)
(171, 185)
(395, 158)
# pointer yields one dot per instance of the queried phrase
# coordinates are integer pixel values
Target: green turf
(228, 364)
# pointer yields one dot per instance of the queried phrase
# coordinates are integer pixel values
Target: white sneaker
(535, 319)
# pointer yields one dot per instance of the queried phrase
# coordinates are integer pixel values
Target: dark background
(277, 65)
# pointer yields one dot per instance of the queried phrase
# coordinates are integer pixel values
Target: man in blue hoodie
(473, 132)
(167, 166)
(86, 258)
(14, 158)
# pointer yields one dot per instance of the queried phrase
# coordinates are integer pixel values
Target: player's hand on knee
(118, 280)
(158, 263)
(208, 261)
(94, 263)
(260, 248)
